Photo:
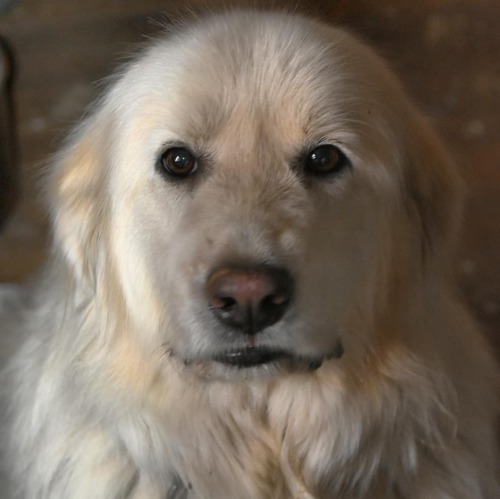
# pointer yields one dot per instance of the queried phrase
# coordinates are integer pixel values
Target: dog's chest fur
(353, 429)
(303, 438)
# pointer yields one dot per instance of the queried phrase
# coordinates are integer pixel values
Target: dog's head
(255, 191)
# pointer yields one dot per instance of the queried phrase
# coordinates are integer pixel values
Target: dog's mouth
(255, 362)
(251, 357)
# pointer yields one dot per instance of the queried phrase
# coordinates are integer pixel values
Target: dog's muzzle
(248, 300)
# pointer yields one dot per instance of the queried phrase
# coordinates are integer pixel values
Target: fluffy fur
(115, 392)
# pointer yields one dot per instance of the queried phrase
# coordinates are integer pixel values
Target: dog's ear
(77, 196)
(434, 188)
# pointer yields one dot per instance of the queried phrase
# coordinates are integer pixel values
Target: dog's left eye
(325, 160)
(178, 162)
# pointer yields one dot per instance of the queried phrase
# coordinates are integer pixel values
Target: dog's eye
(325, 160)
(178, 162)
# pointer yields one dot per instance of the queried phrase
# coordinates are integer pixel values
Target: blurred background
(446, 51)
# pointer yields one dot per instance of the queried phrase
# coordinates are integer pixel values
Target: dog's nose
(249, 299)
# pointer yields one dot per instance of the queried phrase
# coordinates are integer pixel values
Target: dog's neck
(269, 438)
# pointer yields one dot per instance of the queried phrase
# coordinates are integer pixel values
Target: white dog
(250, 290)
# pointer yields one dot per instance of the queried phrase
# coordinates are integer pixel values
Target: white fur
(114, 393)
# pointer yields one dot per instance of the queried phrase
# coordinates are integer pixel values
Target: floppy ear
(434, 189)
(77, 196)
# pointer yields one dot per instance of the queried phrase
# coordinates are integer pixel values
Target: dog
(251, 294)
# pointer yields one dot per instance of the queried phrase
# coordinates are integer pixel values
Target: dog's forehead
(271, 71)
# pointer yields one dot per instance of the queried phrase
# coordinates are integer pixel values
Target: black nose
(249, 299)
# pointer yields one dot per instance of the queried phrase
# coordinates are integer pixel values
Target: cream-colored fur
(115, 393)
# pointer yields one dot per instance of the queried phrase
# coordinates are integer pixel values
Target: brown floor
(447, 52)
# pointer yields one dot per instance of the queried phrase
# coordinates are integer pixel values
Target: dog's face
(253, 187)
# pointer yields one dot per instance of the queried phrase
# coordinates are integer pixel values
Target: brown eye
(178, 162)
(325, 160)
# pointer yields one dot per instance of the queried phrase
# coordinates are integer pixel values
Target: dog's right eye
(178, 162)
(325, 160)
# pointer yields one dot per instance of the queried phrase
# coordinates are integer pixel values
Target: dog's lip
(254, 356)
(251, 356)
